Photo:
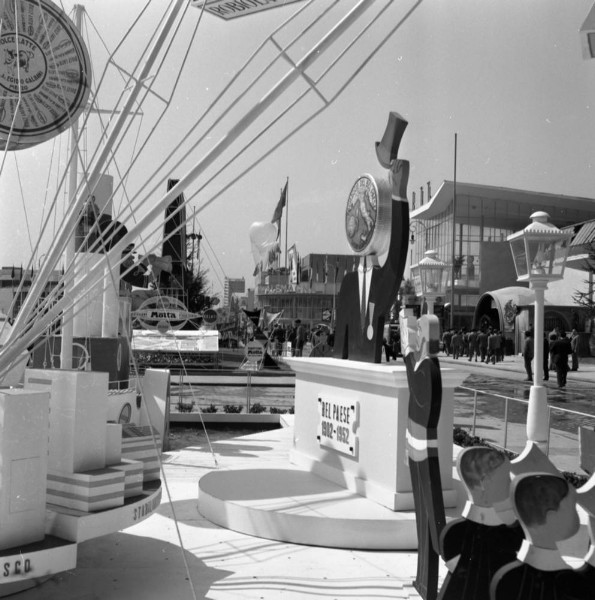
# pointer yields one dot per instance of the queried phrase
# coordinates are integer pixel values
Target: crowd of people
(485, 345)
(298, 336)
(558, 350)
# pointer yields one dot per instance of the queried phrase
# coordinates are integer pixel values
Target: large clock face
(361, 213)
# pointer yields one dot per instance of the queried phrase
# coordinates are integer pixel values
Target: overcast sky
(508, 77)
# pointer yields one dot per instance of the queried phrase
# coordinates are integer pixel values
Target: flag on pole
(279, 209)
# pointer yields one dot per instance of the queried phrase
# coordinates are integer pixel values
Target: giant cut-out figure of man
(419, 344)
(377, 227)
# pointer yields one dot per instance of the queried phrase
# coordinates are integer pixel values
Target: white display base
(380, 392)
(293, 505)
(27, 566)
(355, 495)
(77, 526)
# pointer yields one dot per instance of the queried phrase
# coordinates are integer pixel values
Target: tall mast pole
(454, 238)
(67, 315)
(286, 217)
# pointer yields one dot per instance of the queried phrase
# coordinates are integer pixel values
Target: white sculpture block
(78, 411)
(23, 466)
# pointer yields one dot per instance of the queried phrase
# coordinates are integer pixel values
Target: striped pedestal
(142, 444)
(88, 492)
(133, 476)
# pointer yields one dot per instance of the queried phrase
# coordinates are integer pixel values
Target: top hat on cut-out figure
(388, 147)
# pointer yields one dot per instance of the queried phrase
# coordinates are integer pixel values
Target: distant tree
(196, 291)
(196, 287)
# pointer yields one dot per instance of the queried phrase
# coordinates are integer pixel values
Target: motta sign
(230, 9)
(163, 313)
(337, 425)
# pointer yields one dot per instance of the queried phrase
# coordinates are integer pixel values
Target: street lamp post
(430, 276)
(539, 252)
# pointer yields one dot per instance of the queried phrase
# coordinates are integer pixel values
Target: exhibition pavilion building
(468, 225)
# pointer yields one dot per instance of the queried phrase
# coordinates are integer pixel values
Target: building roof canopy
(563, 210)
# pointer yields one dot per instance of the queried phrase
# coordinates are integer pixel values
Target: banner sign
(337, 425)
(45, 78)
(163, 313)
(229, 9)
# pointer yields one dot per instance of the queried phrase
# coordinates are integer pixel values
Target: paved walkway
(563, 442)
(515, 365)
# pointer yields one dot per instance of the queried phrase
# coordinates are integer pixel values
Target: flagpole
(286, 217)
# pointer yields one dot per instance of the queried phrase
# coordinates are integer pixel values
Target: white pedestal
(155, 390)
(113, 444)
(78, 415)
(23, 466)
(373, 462)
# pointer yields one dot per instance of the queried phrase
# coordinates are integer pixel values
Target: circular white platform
(293, 505)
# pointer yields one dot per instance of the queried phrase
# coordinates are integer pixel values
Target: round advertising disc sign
(45, 73)
(209, 316)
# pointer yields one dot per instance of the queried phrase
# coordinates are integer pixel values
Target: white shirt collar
(485, 515)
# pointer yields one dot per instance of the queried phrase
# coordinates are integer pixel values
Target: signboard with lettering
(254, 356)
(254, 351)
(338, 422)
(163, 313)
(46, 77)
(230, 9)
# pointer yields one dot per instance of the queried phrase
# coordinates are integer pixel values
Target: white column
(538, 410)
(430, 301)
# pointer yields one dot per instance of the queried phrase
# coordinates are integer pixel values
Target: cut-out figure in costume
(545, 505)
(488, 535)
(367, 294)
(581, 585)
(425, 399)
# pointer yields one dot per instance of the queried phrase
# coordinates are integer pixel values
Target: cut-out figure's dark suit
(520, 581)
(425, 387)
(581, 585)
(482, 550)
(351, 340)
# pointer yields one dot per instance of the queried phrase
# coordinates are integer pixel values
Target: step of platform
(293, 505)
